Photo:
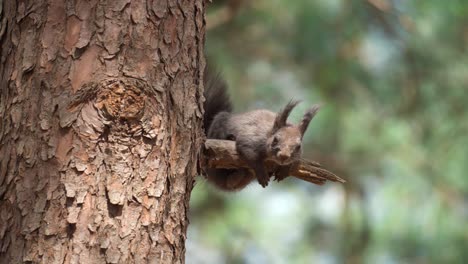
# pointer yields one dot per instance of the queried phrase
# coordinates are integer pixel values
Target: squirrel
(260, 135)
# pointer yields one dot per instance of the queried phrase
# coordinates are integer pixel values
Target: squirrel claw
(263, 181)
(280, 177)
(282, 173)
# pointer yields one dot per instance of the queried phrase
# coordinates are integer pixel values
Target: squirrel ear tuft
(282, 116)
(308, 116)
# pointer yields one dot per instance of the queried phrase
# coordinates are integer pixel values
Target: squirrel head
(285, 140)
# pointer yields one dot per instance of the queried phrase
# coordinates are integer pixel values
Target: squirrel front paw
(263, 180)
(260, 173)
(282, 172)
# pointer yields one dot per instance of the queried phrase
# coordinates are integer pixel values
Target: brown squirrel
(260, 135)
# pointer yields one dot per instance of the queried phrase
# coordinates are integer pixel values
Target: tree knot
(116, 106)
(121, 99)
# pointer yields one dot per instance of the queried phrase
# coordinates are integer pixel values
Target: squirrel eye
(275, 141)
(298, 147)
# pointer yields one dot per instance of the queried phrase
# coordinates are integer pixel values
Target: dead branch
(223, 154)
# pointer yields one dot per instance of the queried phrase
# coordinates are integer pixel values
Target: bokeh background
(393, 79)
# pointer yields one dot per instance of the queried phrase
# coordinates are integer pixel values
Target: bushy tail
(230, 180)
(216, 101)
(216, 97)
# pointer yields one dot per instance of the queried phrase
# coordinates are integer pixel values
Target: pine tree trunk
(100, 128)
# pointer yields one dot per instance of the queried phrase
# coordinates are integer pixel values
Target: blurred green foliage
(393, 77)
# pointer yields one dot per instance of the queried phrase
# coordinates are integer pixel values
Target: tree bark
(100, 129)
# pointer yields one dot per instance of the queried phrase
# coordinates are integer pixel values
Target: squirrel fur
(260, 135)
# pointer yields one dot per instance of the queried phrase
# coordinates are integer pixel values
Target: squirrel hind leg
(218, 129)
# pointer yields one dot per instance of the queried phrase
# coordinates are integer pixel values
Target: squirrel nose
(283, 156)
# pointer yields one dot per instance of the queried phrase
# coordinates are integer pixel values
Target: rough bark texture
(223, 154)
(100, 128)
